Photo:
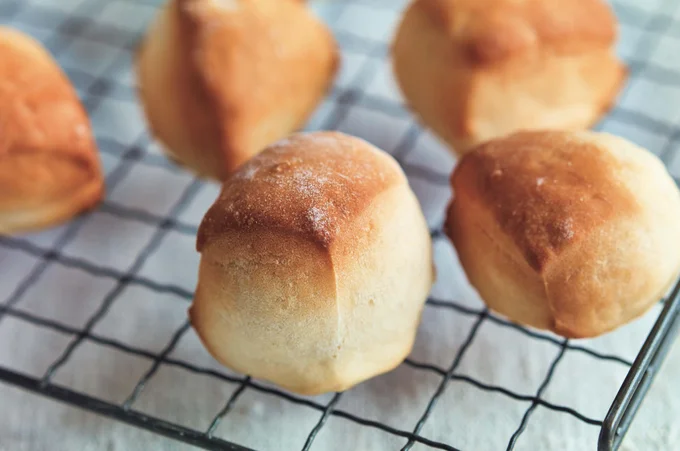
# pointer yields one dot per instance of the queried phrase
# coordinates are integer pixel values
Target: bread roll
(222, 79)
(473, 70)
(49, 167)
(315, 264)
(575, 232)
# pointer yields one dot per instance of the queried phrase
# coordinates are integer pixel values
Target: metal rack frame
(67, 26)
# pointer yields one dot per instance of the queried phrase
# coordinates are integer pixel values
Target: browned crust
(50, 166)
(487, 253)
(310, 184)
(273, 303)
(242, 72)
(494, 30)
(547, 190)
(238, 42)
(466, 71)
(35, 217)
(446, 107)
(572, 232)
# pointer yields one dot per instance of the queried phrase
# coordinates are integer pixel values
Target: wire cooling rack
(95, 40)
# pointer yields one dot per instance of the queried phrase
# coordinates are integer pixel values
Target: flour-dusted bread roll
(49, 166)
(473, 70)
(222, 79)
(576, 232)
(315, 264)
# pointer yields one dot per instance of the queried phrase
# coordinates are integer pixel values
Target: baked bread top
(547, 190)
(576, 232)
(222, 79)
(316, 262)
(494, 30)
(47, 150)
(308, 185)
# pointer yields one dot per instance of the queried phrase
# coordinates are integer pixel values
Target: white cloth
(465, 416)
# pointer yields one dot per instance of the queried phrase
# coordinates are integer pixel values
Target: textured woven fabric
(127, 281)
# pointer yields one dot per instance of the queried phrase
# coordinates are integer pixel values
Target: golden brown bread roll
(222, 79)
(315, 265)
(473, 70)
(49, 166)
(576, 232)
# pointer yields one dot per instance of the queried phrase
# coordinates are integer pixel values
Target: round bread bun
(222, 79)
(316, 262)
(474, 70)
(575, 232)
(49, 165)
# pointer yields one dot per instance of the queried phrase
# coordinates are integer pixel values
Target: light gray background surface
(94, 41)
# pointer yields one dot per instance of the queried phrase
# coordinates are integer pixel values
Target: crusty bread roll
(222, 79)
(49, 166)
(473, 70)
(576, 232)
(315, 264)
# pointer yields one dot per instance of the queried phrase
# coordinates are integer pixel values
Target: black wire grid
(60, 26)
